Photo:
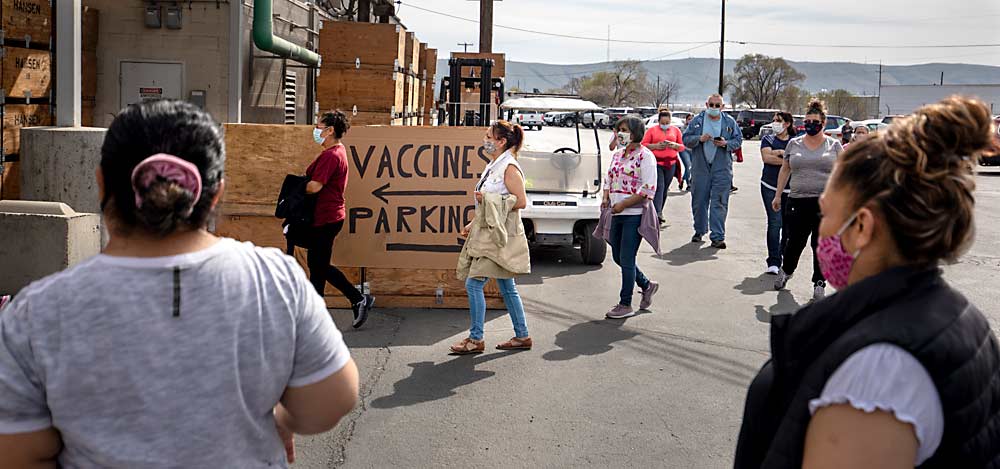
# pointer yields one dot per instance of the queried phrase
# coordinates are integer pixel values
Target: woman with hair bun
(809, 159)
(172, 348)
(500, 197)
(897, 369)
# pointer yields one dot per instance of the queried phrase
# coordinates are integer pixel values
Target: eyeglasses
(715, 105)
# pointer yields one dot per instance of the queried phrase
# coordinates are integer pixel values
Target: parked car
(616, 113)
(992, 157)
(682, 115)
(530, 119)
(654, 121)
(646, 111)
(799, 121)
(598, 118)
(751, 120)
(888, 119)
(835, 126)
(873, 125)
(550, 117)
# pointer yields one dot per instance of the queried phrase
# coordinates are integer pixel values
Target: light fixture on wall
(173, 17)
(153, 17)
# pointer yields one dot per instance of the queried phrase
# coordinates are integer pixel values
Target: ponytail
(512, 133)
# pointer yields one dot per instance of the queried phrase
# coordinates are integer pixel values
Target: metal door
(149, 80)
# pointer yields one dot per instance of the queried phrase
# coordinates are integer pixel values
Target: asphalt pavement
(662, 389)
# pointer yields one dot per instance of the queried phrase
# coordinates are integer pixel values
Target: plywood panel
(10, 181)
(341, 42)
(27, 20)
(91, 28)
(26, 72)
(16, 116)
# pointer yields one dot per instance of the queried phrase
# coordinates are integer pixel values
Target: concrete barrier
(60, 164)
(42, 238)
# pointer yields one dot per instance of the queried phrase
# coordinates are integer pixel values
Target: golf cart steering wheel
(566, 150)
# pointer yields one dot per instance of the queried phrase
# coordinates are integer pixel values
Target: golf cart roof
(551, 104)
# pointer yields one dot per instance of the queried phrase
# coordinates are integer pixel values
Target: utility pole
(722, 51)
(878, 107)
(609, 44)
(657, 97)
(485, 26)
(465, 45)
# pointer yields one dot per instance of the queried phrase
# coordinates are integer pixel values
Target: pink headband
(170, 168)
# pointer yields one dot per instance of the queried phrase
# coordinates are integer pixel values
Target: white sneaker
(773, 270)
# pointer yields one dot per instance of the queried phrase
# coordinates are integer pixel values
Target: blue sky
(855, 22)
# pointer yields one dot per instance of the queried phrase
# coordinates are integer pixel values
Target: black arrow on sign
(397, 247)
(383, 192)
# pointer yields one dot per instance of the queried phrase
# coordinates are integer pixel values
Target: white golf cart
(563, 185)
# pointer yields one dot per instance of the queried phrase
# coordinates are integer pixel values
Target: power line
(755, 43)
(610, 65)
(545, 33)
(866, 46)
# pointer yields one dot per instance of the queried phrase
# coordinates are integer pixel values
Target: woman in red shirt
(327, 181)
(666, 142)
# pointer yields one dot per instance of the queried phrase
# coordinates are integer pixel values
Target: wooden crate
(16, 116)
(26, 21)
(26, 73)
(430, 60)
(341, 42)
(91, 28)
(88, 91)
(370, 91)
(10, 181)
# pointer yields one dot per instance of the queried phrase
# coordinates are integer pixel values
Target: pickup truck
(529, 120)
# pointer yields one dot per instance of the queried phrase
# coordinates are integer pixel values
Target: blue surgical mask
(713, 112)
(318, 136)
(664, 126)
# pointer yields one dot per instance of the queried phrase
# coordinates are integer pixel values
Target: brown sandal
(468, 346)
(516, 344)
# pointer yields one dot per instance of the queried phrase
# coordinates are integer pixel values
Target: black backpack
(297, 209)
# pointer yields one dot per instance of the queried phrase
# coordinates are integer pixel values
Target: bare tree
(663, 90)
(759, 80)
(793, 99)
(574, 86)
(629, 82)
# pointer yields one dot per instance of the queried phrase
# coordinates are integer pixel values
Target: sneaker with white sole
(773, 270)
(819, 290)
(361, 310)
(620, 311)
(647, 295)
(782, 280)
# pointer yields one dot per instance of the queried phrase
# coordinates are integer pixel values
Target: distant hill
(699, 77)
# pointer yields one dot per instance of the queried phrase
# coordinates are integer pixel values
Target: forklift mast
(454, 83)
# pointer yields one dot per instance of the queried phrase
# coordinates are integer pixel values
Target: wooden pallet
(26, 22)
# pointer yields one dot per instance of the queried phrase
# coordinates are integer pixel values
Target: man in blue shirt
(712, 137)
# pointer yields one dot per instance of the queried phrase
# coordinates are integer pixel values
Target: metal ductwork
(264, 38)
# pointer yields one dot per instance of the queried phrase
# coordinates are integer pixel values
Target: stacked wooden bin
(27, 81)
(429, 67)
(377, 73)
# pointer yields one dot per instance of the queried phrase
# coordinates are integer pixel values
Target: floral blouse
(631, 174)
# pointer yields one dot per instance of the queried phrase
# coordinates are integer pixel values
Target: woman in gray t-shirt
(172, 348)
(809, 159)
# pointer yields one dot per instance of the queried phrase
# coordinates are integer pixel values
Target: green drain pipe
(264, 38)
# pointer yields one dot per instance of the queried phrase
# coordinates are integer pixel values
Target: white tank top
(492, 180)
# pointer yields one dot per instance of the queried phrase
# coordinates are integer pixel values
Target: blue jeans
(477, 306)
(625, 241)
(685, 157)
(664, 176)
(777, 237)
(710, 198)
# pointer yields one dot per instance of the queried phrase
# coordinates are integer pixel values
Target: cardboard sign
(409, 192)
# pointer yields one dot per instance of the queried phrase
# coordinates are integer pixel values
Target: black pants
(801, 222)
(318, 259)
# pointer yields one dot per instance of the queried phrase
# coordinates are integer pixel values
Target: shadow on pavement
(786, 305)
(431, 381)
(689, 253)
(589, 338)
(601, 336)
(397, 328)
(758, 285)
(555, 262)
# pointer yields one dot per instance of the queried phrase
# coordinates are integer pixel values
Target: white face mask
(778, 127)
(624, 138)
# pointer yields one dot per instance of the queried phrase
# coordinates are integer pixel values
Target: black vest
(912, 308)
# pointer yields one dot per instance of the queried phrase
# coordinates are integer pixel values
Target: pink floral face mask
(834, 260)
